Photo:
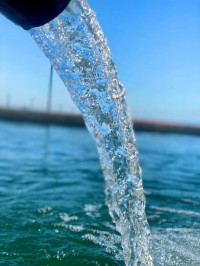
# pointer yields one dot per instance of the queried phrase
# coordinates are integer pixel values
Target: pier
(76, 120)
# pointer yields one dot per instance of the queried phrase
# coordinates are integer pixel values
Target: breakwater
(76, 120)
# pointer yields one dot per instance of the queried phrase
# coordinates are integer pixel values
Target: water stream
(79, 52)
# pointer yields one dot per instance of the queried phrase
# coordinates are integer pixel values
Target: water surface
(52, 201)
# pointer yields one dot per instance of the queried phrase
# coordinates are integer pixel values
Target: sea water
(52, 205)
(78, 50)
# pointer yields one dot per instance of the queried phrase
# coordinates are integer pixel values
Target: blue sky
(155, 45)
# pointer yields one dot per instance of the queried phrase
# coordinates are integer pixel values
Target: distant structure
(76, 120)
(49, 98)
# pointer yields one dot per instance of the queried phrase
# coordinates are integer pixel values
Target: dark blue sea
(52, 204)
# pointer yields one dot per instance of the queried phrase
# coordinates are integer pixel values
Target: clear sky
(155, 45)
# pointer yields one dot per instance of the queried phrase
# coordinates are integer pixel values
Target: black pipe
(32, 13)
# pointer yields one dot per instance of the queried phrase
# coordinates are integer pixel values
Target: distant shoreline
(76, 120)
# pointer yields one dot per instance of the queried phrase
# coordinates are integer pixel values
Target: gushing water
(78, 50)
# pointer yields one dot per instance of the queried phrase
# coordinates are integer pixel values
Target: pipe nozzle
(32, 13)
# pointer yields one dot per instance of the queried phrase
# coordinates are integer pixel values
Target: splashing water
(78, 50)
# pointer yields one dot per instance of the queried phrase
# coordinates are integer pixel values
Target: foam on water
(176, 246)
(170, 210)
(78, 50)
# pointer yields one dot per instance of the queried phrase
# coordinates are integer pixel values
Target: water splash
(78, 50)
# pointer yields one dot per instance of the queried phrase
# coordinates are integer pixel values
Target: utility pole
(31, 103)
(49, 99)
(8, 100)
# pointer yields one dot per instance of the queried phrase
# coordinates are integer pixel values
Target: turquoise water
(52, 201)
